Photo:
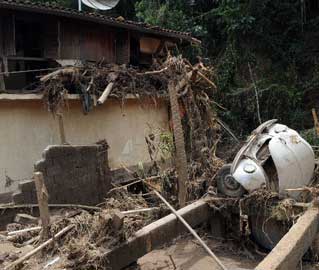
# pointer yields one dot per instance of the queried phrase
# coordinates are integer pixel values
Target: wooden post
(180, 159)
(315, 120)
(61, 128)
(43, 198)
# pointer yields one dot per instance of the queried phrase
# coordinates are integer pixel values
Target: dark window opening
(30, 46)
(135, 51)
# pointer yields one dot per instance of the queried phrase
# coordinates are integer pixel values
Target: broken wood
(290, 249)
(315, 120)
(25, 230)
(43, 197)
(39, 248)
(105, 94)
(190, 229)
(25, 219)
(59, 72)
(134, 211)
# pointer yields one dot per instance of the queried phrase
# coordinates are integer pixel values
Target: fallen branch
(37, 249)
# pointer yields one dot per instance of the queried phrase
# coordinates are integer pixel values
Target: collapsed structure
(101, 97)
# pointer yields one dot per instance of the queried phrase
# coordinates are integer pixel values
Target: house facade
(37, 38)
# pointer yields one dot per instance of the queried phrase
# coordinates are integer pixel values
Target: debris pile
(93, 232)
(195, 90)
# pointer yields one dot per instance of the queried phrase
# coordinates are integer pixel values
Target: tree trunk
(180, 159)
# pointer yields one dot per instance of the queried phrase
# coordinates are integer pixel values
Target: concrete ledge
(289, 251)
(156, 234)
(40, 96)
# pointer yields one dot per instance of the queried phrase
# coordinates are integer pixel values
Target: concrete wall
(26, 129)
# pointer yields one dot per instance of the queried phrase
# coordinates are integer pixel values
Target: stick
(86, 207)
(139, 210)
(37, 249)
(25, 230)
(135, 182)
(61, 128)
(206, 79)
(256, 93)
(105, 94)
(153, 72)
(189, 228)
(315, 120)
(43, 197)
(227, 129)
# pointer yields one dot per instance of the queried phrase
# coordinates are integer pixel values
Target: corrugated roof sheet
(53, 9)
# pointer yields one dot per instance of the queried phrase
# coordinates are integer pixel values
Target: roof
(52, 9)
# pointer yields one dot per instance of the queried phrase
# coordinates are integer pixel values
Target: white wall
(26, 128)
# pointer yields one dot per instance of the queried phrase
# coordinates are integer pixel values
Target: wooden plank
(290, 249)
(156, 234)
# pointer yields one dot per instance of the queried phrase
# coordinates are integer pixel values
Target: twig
(172, 261)
(86, 207)
(256, 93)
(227, 129)
(206, 79)
(128, 212)
(152, 72)
(37, 249)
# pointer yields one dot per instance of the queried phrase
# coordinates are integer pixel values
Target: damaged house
(36, 40)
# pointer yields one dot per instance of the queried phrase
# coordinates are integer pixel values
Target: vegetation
(264, 46)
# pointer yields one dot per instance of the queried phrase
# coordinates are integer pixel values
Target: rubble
(125, 221)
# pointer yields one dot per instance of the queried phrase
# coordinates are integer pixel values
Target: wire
(28, 71)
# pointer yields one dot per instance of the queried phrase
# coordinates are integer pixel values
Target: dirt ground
(187, 254)
(184, 253)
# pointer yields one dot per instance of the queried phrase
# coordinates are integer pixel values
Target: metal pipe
(190, 229)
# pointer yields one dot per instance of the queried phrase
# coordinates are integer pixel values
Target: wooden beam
(291, 248)
(156, 234)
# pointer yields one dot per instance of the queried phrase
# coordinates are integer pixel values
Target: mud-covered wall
(27, 128)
